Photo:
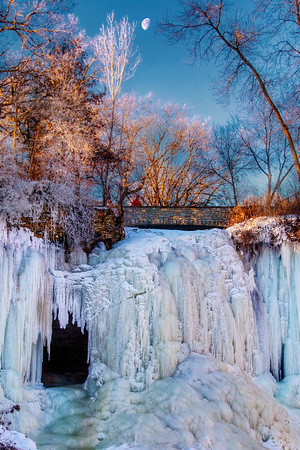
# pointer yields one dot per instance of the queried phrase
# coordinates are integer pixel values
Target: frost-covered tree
(117, 56)
(117, 61)
(28, 30)
(125, 175)
(160, 153)
(47, 129)
(59, 132)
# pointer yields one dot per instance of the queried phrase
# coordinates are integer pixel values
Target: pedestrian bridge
(188, 218)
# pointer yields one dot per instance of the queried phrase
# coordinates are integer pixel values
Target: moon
(146, 23)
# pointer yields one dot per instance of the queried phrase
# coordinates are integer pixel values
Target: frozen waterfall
(153, 302)
(156, 297)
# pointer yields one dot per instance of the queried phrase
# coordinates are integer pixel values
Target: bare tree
(26, 27)
(231, 163)
(134, 118)
(31, 23)
(247, 47)
(268, 148)
(178, 169)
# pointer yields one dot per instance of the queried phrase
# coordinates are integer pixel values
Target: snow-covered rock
(16, 440)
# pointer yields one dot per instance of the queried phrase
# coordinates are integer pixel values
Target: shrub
(261, 206)
(5, 424)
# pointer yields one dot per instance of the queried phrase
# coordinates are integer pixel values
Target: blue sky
(164, 69)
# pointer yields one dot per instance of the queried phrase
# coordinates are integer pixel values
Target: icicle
(277, 277)
(25, 302)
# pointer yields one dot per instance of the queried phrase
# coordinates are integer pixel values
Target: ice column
(278, 280)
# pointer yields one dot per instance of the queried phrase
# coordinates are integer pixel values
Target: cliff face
(106, 227)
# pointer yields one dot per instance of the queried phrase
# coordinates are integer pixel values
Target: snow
(183, 341)
(15, 439)
(266, 230)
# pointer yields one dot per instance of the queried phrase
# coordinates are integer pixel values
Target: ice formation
(157, 300)
(26, 306)
(278, 280)
(205, 405)
(159, 296)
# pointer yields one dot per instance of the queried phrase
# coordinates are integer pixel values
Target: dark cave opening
(68, 356)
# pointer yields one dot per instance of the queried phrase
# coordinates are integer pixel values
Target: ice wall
(157, 296)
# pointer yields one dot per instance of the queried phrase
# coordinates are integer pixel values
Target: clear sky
(164, 69)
